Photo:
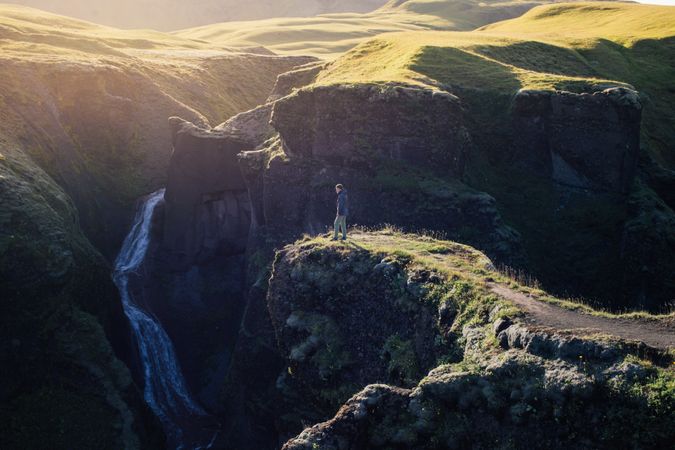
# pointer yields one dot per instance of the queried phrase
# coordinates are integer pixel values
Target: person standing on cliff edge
(342, 211)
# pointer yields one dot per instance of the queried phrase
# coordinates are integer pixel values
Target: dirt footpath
(653, 333)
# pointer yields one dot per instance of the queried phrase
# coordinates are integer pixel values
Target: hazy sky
(170, 15)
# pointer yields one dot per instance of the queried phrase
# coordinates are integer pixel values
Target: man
(342, 211)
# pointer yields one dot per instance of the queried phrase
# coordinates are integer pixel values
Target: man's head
(338, 188)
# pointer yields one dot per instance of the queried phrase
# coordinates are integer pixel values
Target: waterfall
(166, 392)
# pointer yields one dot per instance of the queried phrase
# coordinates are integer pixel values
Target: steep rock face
(360, 124)
(207, 206)
(295, 79)
(298, 195)
(316, 311)
(563, 168)
(201, 270)
(585, 141)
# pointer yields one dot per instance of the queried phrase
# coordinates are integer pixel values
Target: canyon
(486, 188)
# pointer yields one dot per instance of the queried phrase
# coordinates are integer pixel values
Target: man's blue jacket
(342, 203)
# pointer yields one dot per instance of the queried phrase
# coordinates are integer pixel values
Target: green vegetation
(402, 362)
(323, 343)
(28, 31)
(465, 60)
(89, 104)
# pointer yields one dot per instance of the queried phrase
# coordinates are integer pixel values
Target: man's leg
(343, 223)
(336, 226)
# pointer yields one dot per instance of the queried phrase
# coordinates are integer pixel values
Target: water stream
(185, 423)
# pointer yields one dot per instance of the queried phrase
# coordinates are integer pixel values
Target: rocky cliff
(372, 316)
(594, 150)
(409, 156)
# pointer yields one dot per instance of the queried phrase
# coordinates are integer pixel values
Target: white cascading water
(165, 390)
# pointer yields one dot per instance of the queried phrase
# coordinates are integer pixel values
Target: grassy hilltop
(499, 57)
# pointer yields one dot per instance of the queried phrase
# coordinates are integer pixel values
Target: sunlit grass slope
(177, 14)
(468, 60)
(331, 34)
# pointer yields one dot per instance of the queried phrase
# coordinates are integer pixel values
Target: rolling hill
(329, 35)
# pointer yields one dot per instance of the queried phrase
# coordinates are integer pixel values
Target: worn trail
(654, 333)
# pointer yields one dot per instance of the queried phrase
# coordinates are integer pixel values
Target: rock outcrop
(359, 125)
(415, 157)
(584, 141)
(399, 149)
